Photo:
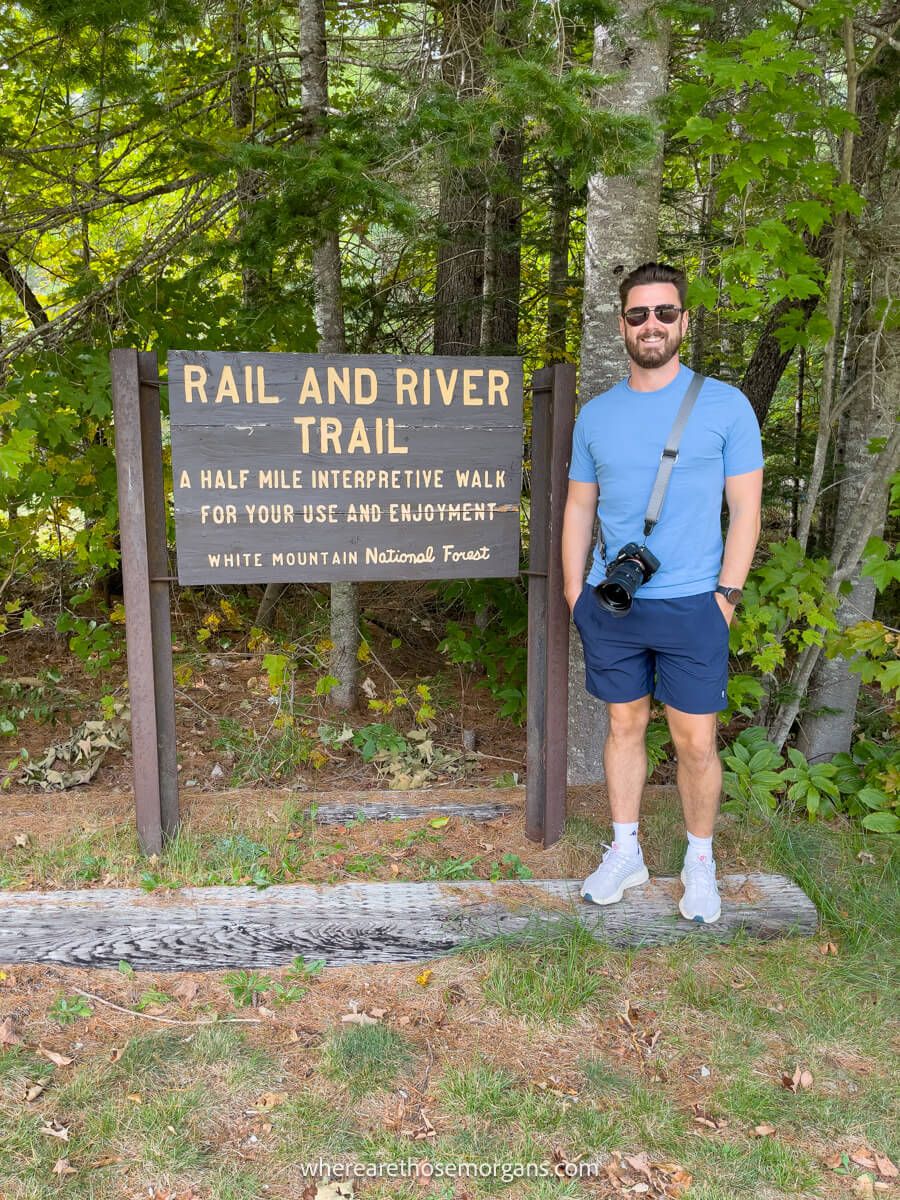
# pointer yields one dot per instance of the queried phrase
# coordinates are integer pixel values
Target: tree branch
(55, 330)
(19, 285)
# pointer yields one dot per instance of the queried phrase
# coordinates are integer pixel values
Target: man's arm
(578, 527)
(743, 494)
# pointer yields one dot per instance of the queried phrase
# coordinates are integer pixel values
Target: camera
(631, 567)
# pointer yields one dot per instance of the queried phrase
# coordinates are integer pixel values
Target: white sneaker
(615, 873)
(700, 901)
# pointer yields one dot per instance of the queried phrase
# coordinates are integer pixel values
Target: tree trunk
(248, 188)
(622, 220)
(459, 282)
(798, 441)
(503, 249)
(872, 379)
(329, 312)
(834, 306)
(561, 199)
(768, 362)
(243, 117)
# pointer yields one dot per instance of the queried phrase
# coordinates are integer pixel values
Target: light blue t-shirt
(617, 443)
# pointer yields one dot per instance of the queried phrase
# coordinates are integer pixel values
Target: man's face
(653, 344)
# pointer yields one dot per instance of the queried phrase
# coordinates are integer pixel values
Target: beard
(655, 353)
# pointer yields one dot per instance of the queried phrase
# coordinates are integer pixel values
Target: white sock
(699, 847)
(625, 838)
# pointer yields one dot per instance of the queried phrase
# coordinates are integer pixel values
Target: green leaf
(325, 684)
(702, 293)
(812, 213)
(882, 822)
(15, 452)
(873, 797)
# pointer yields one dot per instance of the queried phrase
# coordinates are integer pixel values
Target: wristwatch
(732, 595)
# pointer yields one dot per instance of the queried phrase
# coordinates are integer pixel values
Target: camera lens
(617, 591)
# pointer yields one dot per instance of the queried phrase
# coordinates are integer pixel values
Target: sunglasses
(668, 314)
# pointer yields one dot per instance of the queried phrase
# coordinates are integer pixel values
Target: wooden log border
(206, 929)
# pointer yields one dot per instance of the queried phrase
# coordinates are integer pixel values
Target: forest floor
(699, 1070)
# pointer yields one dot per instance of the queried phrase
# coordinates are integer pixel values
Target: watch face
(732, 595)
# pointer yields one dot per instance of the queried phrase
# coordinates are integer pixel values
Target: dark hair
(653, 272)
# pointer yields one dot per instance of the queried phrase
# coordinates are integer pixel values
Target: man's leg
(625, 758)
(625, 762)
(699, 769)
(699, 785)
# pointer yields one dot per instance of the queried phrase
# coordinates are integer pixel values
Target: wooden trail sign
(316, 468)
(350, 438)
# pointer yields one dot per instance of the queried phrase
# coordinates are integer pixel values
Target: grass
(265, 850)
(550, 971)
(365, 1057)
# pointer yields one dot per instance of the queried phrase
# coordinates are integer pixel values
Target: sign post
(553, 414)
(145, 574)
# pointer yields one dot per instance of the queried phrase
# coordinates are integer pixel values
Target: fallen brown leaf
(54, 1129)
(863, 1158)
(135, 1098)
(801, 1078)
(58, 1060)
(864, 1186)
(33, 1091)
(763, 1130)
(704, 1118)
(108, 1160)
(20, 840)
(115, 1054)
(358, 1018)
(828, 948)
(884, 1166)
(8, 1035)
(640, 1163)
(187, 991)
(62, 1168)
(270, 1100)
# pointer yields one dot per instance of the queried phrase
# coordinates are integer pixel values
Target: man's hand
(726, 609)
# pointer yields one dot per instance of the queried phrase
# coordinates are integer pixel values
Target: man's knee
(628, 722)
(695, 742)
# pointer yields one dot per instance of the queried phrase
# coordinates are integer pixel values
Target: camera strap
(666, 463)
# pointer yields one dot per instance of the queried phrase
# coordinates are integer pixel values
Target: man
(673, 642)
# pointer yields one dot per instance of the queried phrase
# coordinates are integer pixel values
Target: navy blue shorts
(675, 649)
